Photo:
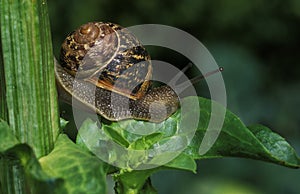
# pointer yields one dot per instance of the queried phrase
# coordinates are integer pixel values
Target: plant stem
(28, 92)
(3, 106)
(12, 178)
(29, 73)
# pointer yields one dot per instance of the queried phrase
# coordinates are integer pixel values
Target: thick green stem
(28, 94)
(29, 73)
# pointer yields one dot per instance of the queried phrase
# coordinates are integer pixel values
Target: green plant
(35, 158)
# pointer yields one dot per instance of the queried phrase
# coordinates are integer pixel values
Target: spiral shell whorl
(82, 45)
(86, 33)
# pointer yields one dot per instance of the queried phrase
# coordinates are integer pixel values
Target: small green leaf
(183, 162)
(81, 171)
(134, 182)
(14, 154)
(63, 123)
(146, 142)
(36, 179)
(118, 138)
(88, 129)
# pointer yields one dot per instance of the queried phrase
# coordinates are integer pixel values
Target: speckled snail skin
(109, 61)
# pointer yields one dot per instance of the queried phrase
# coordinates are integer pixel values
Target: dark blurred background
(257, 42)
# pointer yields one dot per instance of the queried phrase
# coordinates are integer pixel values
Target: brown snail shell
(109, 57)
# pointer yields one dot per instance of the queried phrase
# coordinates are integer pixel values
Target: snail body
(112, 73)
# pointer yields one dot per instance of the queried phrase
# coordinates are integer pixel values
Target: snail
(103, 67)
(112, 73)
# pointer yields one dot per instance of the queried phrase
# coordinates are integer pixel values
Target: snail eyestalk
(181, 87)
(201, 77)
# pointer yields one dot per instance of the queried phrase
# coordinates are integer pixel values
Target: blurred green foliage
(257, 42)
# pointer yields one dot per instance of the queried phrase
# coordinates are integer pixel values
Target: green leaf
(81, 171)
(134, 182)
(277, 147)
(146, 142)
(37, 181)
(256, 142)
(12, 156)
(118, 138)
(183, 162)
